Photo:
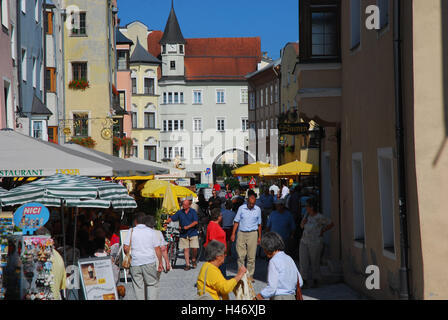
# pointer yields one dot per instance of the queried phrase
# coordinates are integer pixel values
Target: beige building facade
(358, 90)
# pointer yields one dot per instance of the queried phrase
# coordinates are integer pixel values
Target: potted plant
(87, 142)
(79, 84)
(117, 144)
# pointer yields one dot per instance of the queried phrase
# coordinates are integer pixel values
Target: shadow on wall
(444, 13)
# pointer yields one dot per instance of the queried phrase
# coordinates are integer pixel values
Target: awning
(290, 169)
(23, 156)
(252, 169)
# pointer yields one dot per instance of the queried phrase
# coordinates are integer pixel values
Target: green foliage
(232, 182)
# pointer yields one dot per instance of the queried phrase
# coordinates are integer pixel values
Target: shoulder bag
(127, 259)
(299, 291)
(205, 295)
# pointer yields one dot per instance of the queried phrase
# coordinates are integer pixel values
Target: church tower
(173, 48)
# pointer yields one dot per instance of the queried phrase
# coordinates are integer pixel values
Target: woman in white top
(150, 223)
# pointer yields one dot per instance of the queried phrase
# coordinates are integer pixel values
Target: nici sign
(30, 217)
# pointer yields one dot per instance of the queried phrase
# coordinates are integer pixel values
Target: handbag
(299, 291)
(205, 295)
(127, 258)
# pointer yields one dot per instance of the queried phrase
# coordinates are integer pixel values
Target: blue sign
(30, 217)
(208, 171)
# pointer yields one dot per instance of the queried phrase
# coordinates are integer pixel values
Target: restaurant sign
(36, 172)
(293, 128)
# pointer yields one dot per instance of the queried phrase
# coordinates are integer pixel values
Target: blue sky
(275, 22)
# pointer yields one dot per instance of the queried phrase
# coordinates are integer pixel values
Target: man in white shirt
(285, 190)
(145, 249)
(274, 188)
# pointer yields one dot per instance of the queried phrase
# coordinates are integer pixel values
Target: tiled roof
(215, 58)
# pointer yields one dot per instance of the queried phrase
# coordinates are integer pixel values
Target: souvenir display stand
(36, 257)
(6, 230)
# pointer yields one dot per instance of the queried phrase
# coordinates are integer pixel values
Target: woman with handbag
(284, 279)
(211, 284)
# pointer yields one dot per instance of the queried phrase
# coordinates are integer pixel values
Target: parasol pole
(63, 230)
(74, 234)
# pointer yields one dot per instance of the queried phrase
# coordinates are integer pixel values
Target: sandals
(194, 265)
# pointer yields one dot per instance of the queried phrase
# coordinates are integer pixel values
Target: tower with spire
(173, 48)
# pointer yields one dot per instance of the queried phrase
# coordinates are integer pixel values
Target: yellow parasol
(252, 169)
(289, 169)
(158, 189)
(170, 203)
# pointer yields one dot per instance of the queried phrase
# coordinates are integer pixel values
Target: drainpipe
(62, 85)
(399, 113)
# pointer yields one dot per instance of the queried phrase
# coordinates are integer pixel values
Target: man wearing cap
(248, 223)
(188, 221)
(281, 221)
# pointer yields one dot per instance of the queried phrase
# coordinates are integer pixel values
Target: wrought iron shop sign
(293, 128)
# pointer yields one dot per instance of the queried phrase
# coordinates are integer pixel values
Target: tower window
(181, 48)
(173, 65)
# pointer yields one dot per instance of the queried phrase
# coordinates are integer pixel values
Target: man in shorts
(188, 221)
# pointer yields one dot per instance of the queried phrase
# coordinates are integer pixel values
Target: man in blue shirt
(248, 223)
(281, 221)
(188, 221)
(266, 204)
(227, 223)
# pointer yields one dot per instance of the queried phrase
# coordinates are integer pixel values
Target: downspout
(19, 57)
(399, 113)
(44, 36)
(62, 85)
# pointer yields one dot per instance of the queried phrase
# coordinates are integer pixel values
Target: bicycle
(172, 238)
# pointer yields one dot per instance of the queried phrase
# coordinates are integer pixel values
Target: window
(181, 48)
(37, 129)
(197, 96)
(276, 92)
(358, 198)
(149, 86)
(82, 24)
(220, 125)
(50, 79)
(198, 152)
(173, 97)
(172, 65)
(165, 125)
(81, 124)
(383, 5)
(355, 22)
(252, 100)
(220, 96)
(151, 153)
(134, 86)
(34, 73)
(79, 70)
(244, 124)
(150, 120)
(48, 22)
(324, 34)
(164, 48)
(261, 97)
(5, 16)
(173, 125)
(23, 6)
(252, 135)
(197, 124)
(134, 120)
(134, 151)
(243, 95)
(272, 94)
(123, 59)
(122, 99)
(178, 152)
(24, 64)
(267, 98)
(53, 134)
(170, 125)
(36, 10)
(386, 185)
(13, 44)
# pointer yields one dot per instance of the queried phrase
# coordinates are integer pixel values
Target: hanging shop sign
(30, 217)
(293, 128)
(97, 279)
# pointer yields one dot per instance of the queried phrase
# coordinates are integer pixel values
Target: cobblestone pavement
(178, 284)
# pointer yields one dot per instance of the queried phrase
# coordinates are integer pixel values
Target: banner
(97, 278)
(30, 217)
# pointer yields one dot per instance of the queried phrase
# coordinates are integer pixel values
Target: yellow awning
(289, 169)
(134, 178)
(252, 169)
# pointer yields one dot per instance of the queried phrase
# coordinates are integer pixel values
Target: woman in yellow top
(216, 285)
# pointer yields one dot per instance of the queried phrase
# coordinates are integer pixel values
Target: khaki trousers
(287, 297)
(309, 255)
(246, 246)
(145, 276)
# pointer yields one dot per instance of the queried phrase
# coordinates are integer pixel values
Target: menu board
(97, 278)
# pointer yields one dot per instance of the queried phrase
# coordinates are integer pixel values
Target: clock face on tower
(172, 48)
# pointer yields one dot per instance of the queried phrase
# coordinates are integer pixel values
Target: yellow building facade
(89, 55)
